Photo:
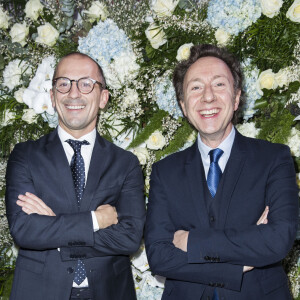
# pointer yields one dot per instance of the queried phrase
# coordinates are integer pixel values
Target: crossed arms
(37, 226)
(106, 214)
(206, 254)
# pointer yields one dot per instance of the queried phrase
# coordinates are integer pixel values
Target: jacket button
(212, 218)
(70, 270)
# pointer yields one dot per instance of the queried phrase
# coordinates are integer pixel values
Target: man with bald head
(74, 201)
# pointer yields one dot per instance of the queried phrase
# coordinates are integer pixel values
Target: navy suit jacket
(42, 272)
(257, 174)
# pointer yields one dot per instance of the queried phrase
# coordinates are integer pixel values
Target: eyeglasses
(84, 85)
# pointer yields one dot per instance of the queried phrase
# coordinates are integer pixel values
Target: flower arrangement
(138, 44)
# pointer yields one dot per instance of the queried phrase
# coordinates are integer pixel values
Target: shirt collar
(90, 137)
(226, 145)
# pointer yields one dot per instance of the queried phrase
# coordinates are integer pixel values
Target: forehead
(75, 67)
(207, 68)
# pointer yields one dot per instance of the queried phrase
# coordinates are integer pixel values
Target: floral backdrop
(138, 44)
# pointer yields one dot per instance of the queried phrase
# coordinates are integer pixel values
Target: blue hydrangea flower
(111, 48)
(165, 96)
(233, 16)
(251, 74)
(105, 42)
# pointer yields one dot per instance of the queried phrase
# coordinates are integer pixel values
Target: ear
(52, 98)
(237, 100)
(103, 98)
(182, 104)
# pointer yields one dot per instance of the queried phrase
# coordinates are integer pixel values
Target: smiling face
(78, 112)
(209, 99)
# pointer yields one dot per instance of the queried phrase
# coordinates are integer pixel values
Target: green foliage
(154, 124)
(177, 142)
(275, 124)
(270, 42)
(7, 266)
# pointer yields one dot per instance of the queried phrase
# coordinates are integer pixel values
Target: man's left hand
(180, 239)
(32, 204)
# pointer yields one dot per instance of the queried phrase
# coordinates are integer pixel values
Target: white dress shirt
(226, 146)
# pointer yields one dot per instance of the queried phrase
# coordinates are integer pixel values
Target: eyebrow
(200, 80)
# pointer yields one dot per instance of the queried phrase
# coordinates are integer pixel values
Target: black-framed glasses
(85, 85)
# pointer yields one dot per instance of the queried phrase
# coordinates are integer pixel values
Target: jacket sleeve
(74, 230)
(254, 245)
(167, 260)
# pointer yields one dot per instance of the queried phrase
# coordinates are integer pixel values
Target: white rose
(13, 71)
(29, 116)
(156, 36)
(294, 12)
(97, 11)
(266, 80)
(7, 118)
(184, 51)
(33, 9)
(142, 154)
(282, 77)
(156, 141)
(19, 95)
(164, 8)
(222, 37)
(270, 8)
(4, 18)
(18, 33)
(47, 35)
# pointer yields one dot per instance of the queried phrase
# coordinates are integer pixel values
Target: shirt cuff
(95, 222)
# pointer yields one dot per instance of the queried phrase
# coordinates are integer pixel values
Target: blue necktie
(213, 179)
(78, 174)
(214, 172)
(215, 296)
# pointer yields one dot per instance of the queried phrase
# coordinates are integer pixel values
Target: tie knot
(215, 155)
(76, 145)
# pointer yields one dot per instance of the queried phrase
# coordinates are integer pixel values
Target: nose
(74, 91)
(208, 95)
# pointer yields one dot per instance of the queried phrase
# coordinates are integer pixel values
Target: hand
(181, 239)
(262, 220)
(32, 204)
(264, 217)
(247, 269)
(106, 215)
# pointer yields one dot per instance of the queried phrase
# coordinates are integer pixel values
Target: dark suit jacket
(257, 174)
(42, 272)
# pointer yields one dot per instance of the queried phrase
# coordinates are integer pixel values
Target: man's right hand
(106, 215)
(262, 220)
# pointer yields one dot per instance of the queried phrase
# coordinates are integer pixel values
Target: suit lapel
(56, 153)
(195, 178)
(232, 174)
(98, 165)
